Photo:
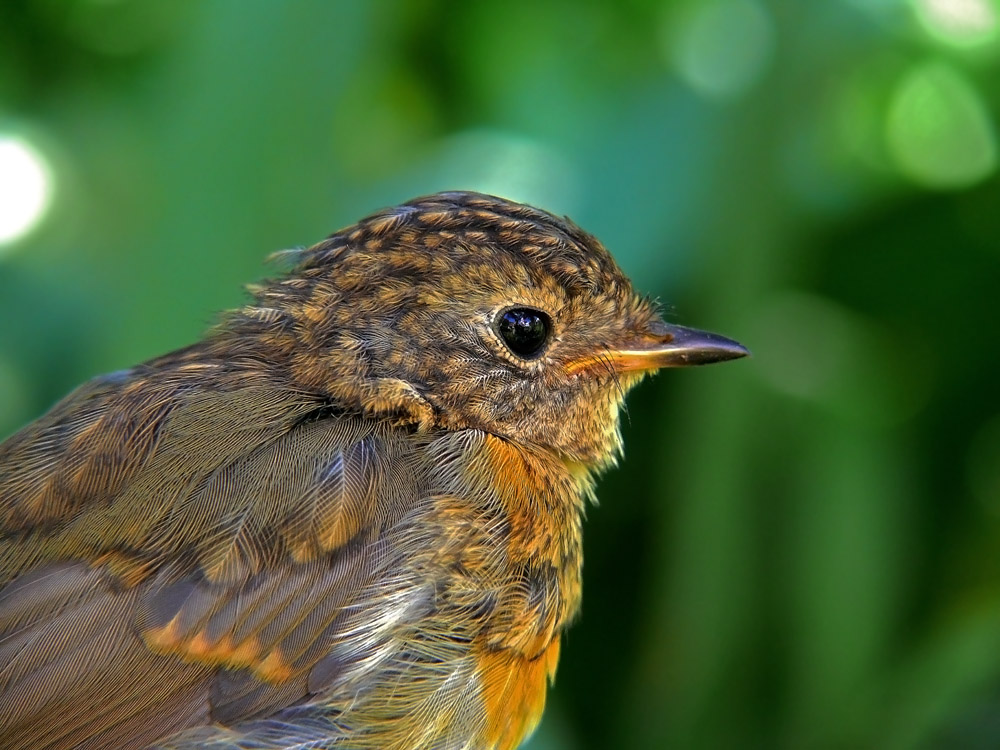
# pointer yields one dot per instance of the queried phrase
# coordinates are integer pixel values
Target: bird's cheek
(581, 424)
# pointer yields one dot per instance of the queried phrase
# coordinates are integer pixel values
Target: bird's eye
(524, 330)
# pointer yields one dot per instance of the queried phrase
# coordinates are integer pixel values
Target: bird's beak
(664, 346)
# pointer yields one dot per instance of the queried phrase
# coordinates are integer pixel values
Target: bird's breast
(509, 544)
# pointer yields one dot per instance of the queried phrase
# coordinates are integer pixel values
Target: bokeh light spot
(938, 129)
(812, 348)
(722, 48)
(959, 23)
(810, 340)
(506, 164)
(25, 188)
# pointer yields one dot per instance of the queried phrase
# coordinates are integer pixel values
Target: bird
(350, 516)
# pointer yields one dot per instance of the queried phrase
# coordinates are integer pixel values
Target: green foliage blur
(801, 549)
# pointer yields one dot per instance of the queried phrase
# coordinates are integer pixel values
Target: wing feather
(218, 539)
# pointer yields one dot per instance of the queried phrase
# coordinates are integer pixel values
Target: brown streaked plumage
(350, 517)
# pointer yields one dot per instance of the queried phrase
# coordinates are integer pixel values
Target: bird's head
(461, 310)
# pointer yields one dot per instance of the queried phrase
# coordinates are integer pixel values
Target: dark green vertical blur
(801, 550)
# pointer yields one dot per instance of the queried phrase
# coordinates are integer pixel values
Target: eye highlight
(525, 331)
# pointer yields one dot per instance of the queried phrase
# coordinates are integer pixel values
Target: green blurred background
(801, 550)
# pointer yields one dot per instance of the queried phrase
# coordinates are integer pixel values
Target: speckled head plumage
(397, 317)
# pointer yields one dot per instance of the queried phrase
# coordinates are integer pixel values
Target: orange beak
(664, 346)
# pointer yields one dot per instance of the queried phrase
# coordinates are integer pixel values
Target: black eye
(524, 330)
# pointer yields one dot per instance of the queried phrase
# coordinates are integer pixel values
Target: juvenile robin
(348, 518)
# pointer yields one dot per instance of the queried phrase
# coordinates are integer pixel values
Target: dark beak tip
(737, 351)
(712, 355)
(696, 347)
